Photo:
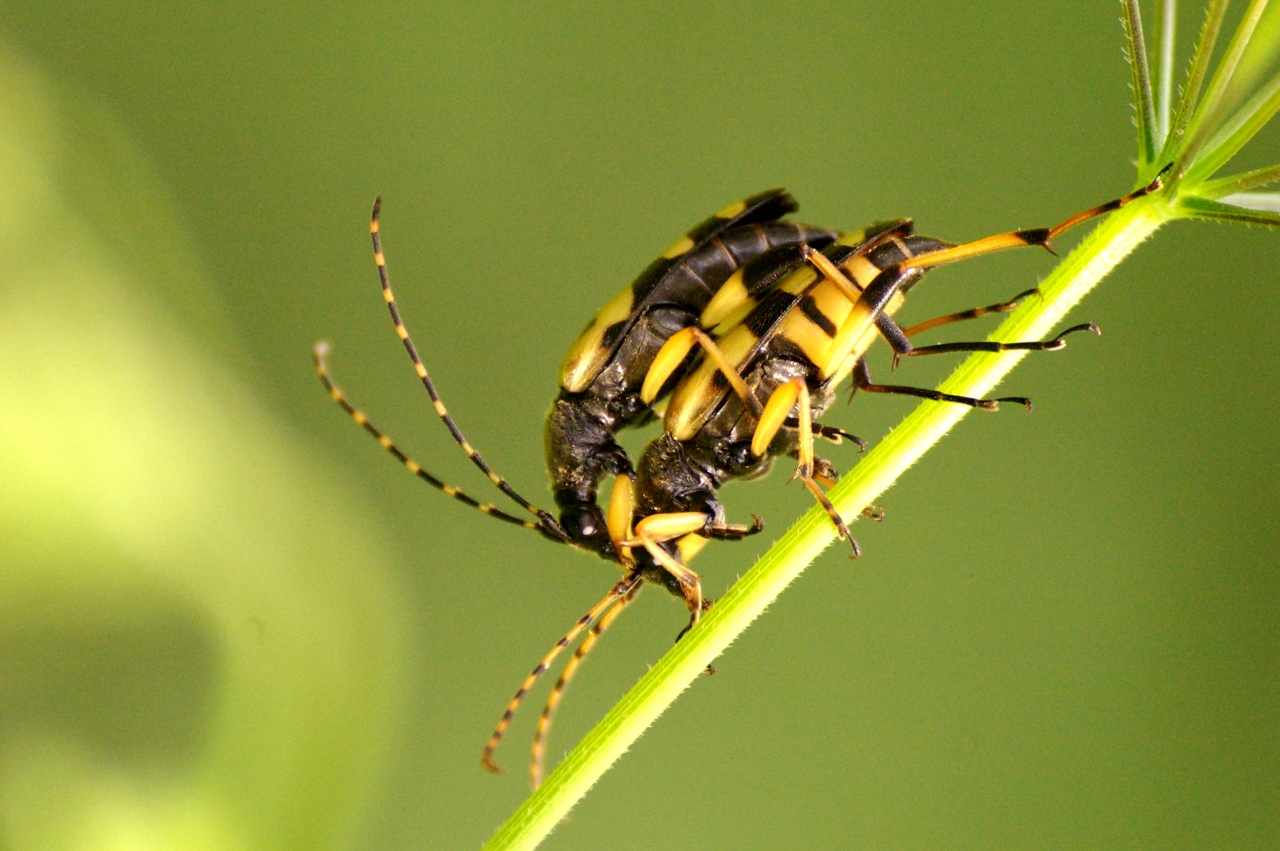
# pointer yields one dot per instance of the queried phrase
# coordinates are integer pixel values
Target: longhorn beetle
(681, 470)
(603, 372)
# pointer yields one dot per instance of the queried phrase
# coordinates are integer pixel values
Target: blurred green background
(230, 622)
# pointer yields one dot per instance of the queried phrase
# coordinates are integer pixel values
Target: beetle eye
(583, 523)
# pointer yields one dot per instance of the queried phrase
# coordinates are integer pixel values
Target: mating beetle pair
(780, 314)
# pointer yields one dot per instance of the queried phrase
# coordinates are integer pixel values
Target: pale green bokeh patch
(198, 651)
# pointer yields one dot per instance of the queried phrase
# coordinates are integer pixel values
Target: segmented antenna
(622, 589)
(320, 351)
(546, 521)
(557, 691)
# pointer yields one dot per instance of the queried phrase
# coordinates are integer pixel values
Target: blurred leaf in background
(195, 652)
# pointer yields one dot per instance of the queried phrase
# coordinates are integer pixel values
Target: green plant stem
(1097, 255)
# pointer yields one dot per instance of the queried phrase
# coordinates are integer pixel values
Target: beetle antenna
(624, 587)
(545, 519)
(557, 691)
(320, 351)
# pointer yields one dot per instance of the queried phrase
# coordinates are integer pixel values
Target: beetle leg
(1020, 238)
(795, 393)
(666, 362)
(833, 273)
(862, 381)
(733, 531)
(688, 546)
(656, 529)
(823, 470)
(831, 433)
(673, 353)
(781, 402)
(1053, 345)
(1002, 307)
(806, 466)
(902, 347)
(618, 517)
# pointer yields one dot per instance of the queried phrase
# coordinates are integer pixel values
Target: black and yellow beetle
(753, 399)
(602, 375)
(600, 386)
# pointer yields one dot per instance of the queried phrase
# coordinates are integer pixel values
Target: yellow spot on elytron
(359, 417)
(449, 490)
(414, 466)
(679, 247)
(440, 408)
(799, 280)
(732, 211)
(831, 302)
(739, 313)
(384, 441)
(402, 332)
(812, 340)
(856, 333)
(587, 356)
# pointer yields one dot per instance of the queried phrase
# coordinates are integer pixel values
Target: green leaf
(1195, 78)
(1140, 82)
(1236, 132)
(1166, 40)
(1205, 123)
(1239, 182)
(1203, 208)
(1260, 59)
(1268, 201)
